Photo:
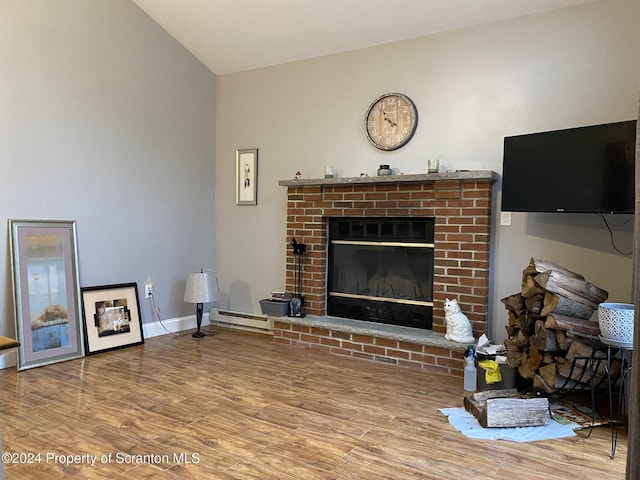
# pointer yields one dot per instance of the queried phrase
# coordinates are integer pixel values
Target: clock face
(391, 121)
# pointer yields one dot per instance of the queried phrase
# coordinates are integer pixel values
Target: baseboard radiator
(242, 321)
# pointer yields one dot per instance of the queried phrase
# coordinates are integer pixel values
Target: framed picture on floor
(111, 317)
(44, 264)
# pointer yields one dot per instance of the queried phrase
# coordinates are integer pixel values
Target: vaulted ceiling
(235, 35)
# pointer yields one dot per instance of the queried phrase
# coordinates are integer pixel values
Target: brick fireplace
(460, 203)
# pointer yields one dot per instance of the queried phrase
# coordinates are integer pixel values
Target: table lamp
(202, 287)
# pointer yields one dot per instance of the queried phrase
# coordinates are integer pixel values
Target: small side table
(626, 350)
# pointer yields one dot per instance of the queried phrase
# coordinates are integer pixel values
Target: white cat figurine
(458, 325)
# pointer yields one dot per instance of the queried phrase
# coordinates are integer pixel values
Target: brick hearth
(460, 202)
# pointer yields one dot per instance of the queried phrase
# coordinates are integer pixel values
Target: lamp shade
(202, 287)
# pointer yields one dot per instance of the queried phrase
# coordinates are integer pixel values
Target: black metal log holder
(296, 305)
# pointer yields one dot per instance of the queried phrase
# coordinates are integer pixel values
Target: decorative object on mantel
(296, 305)
(297, 175)
(384, 170)
(458, 325)
(433, 165)
(391, 121)
(328, 172)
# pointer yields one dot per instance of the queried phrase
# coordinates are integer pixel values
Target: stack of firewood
(551, 333)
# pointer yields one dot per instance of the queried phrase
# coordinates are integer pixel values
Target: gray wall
(106, 120)
(472, 87)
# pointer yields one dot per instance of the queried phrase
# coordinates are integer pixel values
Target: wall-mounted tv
(584, 170)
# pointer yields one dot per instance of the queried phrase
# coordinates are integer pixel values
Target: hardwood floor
(237, 406)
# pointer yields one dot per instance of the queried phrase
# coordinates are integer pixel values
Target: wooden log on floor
(503, 393)
(509, 412)
(572, 324)
(554, 303)
(581, 291)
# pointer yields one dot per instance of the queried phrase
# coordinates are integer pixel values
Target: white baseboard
(242, 321)
(173, 325)
(8, 359)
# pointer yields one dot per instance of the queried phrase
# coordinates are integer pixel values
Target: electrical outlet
(148, 290)
(505, 218)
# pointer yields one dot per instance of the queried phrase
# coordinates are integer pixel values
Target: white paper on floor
(468, 425)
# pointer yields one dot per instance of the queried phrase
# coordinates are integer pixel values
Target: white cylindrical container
(470, 374)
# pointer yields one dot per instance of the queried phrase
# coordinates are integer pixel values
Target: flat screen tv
(582, 170)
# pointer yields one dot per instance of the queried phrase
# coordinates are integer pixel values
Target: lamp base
(197, 334)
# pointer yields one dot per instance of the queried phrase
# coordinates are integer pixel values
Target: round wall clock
(391, 121)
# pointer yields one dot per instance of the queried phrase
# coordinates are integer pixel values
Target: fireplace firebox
(381, 270)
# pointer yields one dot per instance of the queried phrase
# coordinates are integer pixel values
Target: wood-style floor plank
(236, 406)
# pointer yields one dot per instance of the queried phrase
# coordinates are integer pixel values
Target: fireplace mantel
(463, 175)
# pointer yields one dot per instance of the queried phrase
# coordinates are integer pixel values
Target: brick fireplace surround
(460, 202)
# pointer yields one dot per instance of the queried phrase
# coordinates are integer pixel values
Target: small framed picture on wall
(247, 176)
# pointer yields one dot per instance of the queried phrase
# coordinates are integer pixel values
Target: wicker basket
(616, 321)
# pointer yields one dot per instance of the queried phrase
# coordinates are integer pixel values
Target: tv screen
(584, 170)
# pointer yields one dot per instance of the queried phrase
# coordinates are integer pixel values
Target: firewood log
(544, 339)
(512, 330)
(572, 324)
(530, 287)
(541, 385)
(531, 360)
(513, 353)
(535, 359)
(537, 265)
(534, 303)
(524, 370)
(581, 291)
(580, 349)
(527, 322)
(548, 373)
(488, 394)
(521, 339)
(509, 411)
(585, 360)
(514, 303)
(561, 338)
(554, 303)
